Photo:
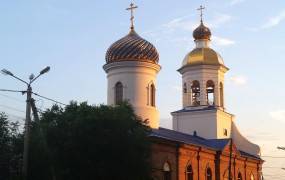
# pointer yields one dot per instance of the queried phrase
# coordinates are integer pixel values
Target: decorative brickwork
(179, 155)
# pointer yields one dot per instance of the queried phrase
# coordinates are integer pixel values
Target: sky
(72, 36)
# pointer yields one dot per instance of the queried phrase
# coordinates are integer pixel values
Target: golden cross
(201, 8)
(131, 8)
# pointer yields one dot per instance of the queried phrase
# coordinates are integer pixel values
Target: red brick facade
(179, 156)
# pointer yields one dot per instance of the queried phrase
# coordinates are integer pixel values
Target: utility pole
(35, 110)
(29, 102)
(27, 132)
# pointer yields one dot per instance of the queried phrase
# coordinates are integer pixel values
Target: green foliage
(11, 146)
(89, 142)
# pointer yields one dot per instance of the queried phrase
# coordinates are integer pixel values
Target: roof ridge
(183, 133)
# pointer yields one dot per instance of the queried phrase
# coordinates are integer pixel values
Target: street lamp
(281, 148)
(32, 78)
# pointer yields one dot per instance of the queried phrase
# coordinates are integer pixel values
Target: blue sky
(72, 37)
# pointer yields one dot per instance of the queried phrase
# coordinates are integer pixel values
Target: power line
(12, 108)
(273, 167)
(9, 90)
(278, 175)
(281, 157)
(49, 99)
(41, 101)
(15, 116)
(12, 98)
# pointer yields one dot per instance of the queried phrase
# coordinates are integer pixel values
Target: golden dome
(202, 32)
(132, 48)
(203, 56)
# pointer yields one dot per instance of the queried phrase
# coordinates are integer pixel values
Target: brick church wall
(179, 156)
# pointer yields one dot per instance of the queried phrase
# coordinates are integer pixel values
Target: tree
(90, 142)
(4, 144)
(11, 143)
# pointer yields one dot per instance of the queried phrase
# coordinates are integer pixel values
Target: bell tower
(203, 71)
(203, 108)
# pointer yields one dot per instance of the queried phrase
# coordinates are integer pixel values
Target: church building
(205, 143)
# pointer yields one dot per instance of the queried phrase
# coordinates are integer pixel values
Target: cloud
(187, 24)
(180, 23)
(219, 41)
(219, 20)
(234, 2)
(278, 115)
(270, 23)
(274, 21)
(179, 30)
(239, 80)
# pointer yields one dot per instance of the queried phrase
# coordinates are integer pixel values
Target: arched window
(195, 93)
(251, 176)
(152, 95)
(210, 86)
(185, 88)
(208, 174)
(189, 172)
(221, 94)
(118, 93)
(239, 176)
(226, 175)
(166, 171)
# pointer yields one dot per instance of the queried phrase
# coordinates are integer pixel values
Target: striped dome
(132, 48)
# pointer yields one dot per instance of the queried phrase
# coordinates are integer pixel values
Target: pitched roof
(245, 154)
(200, 109)
(214, 144)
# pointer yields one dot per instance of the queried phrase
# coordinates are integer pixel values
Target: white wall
(136, 78)
(209, 124)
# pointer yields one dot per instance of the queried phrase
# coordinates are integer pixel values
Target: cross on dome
(201, 8)
(201, 32)
(131, 8)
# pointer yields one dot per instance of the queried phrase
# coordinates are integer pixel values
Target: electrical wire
(49, 99)
(278, 157)
(15, 116)
(269, 167)
(12, 98)
(8, 90)
(12, 108)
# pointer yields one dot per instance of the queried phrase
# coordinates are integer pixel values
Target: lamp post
(281, 148)
(32, 79)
